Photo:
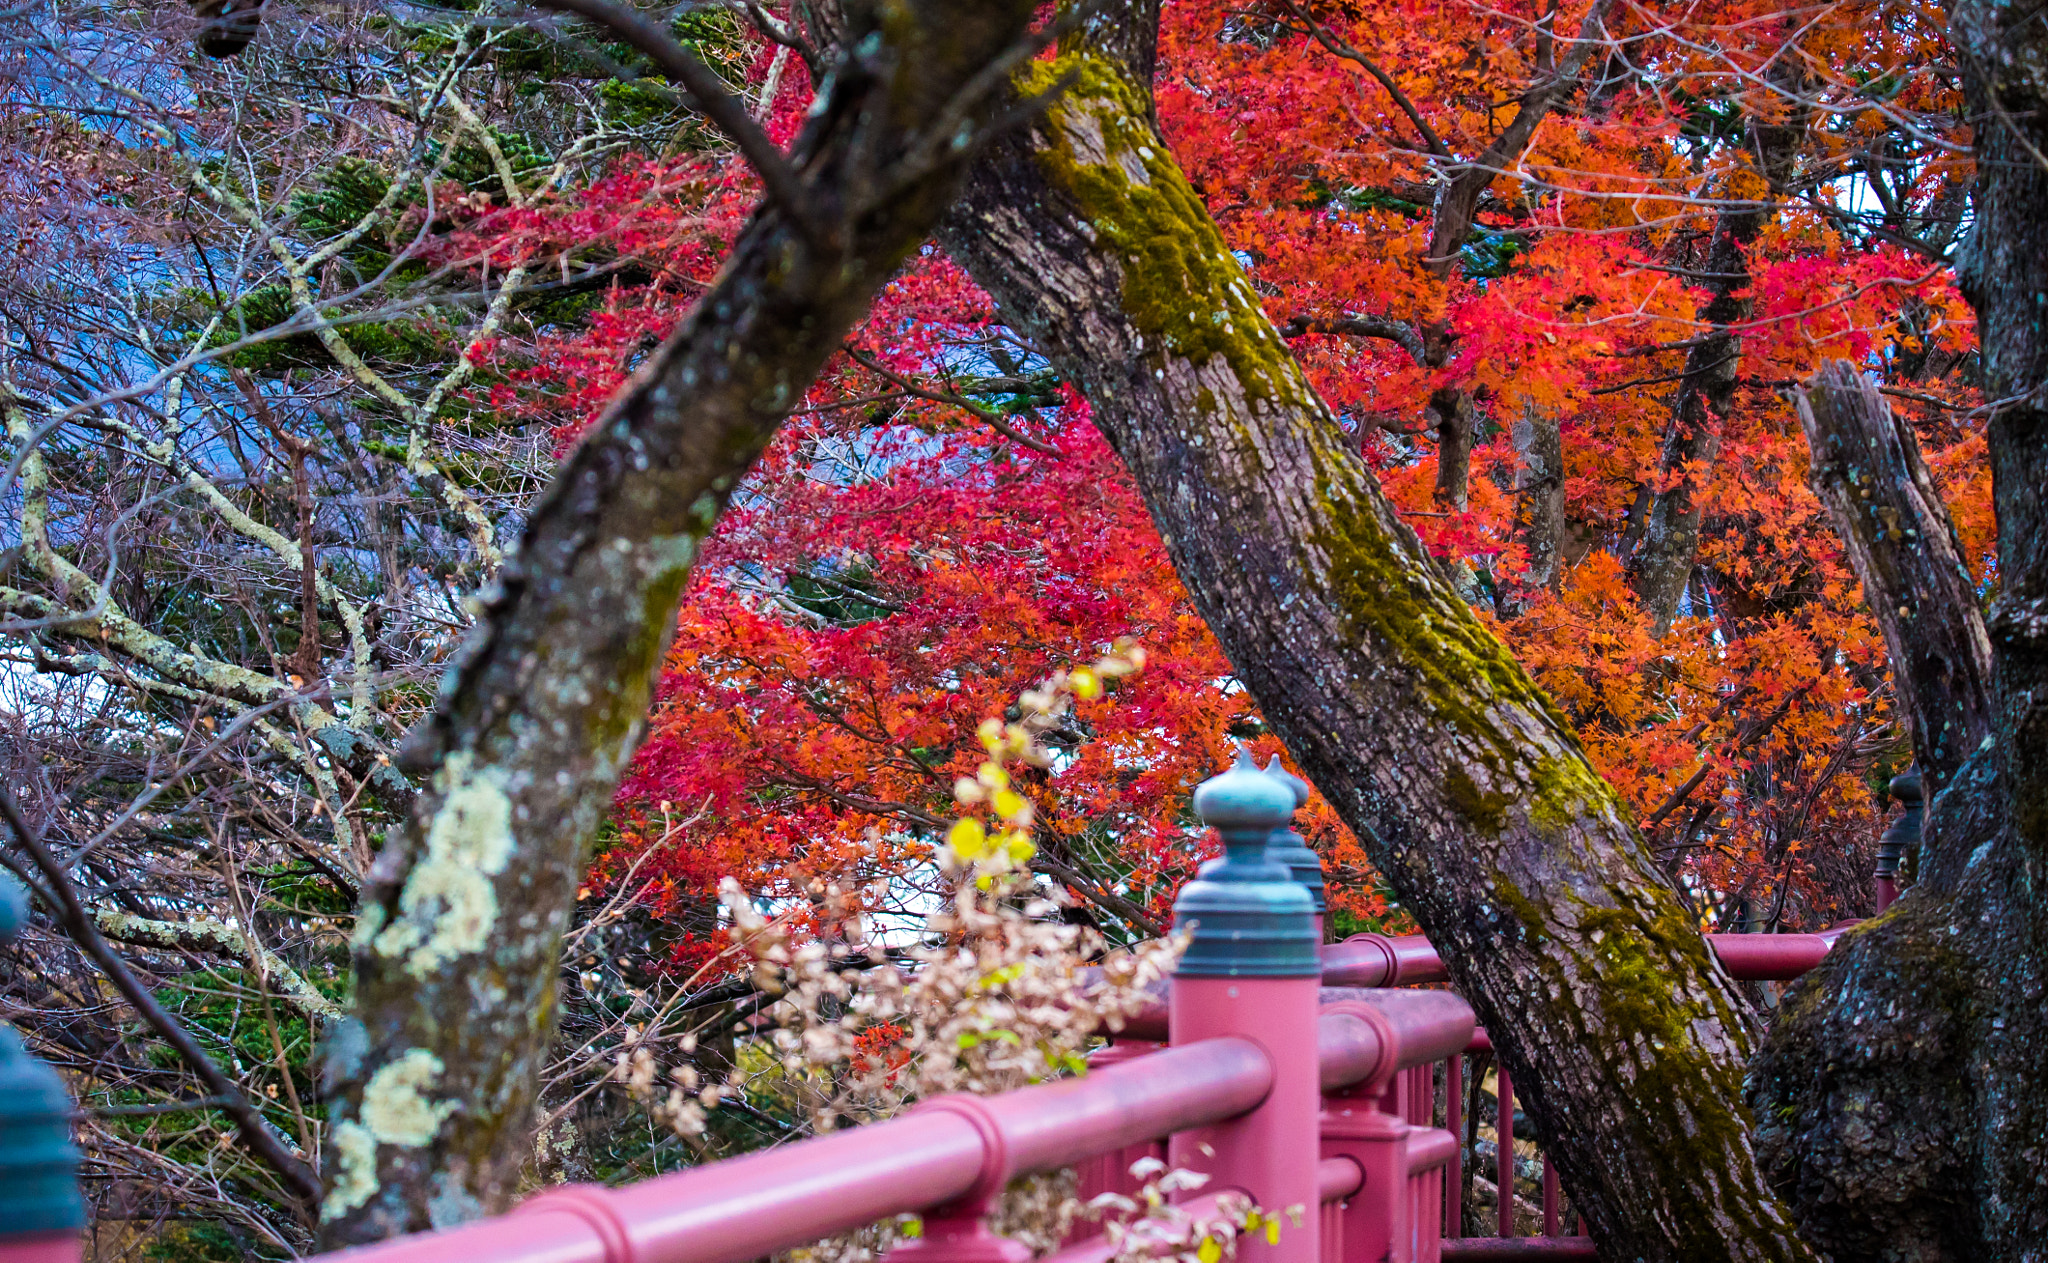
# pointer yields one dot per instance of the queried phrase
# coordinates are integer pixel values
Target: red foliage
(896, 569)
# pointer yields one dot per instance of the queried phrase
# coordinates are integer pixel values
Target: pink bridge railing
(1314, 1093)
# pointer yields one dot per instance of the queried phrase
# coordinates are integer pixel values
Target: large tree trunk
(1881, 497)
(1466, 785)
(459, 943)
(1902, 1092)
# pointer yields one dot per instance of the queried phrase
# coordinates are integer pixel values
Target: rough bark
(1881, 498)
(1664, 534)
(458, 944)
(1539, 507)
(1466, 785)
(1456, 431)
(1902, 1095)
(2005, 274)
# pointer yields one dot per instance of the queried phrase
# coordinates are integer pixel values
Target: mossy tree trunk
(459, 943)
(1901, 1096)
(1539, 508)
(1466, 785)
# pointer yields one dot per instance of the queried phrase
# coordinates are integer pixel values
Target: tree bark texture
(1666, 533)
(1539, 507)
(1466, 785)
(1902, 1100)
(1881, 498)
(459, 941)
(1457, 429)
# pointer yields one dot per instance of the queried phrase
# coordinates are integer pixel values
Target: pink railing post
(1504, 1146)
(1251, 969)
(1290, 849)
(1359, 1123)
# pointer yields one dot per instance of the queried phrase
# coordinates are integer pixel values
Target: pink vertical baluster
(1111, 1172)
(1454, 1174)
(1431, 1230)
(958, 1232)
(1504, 1139)
(1551, 1228)
(1269, 1153)
(1330, 1223)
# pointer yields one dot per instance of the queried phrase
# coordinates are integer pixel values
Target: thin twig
(62, 898)
(726, 111)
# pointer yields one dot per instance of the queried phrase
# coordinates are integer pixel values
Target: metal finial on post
(1288, 847)
(1902, 835)
(41, 1212)
(1248, 915)
(1253, 971)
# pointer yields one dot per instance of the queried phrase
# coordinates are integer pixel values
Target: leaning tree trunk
(459, 942)
(1902, 1092)
(1466, 785)
(1539, 522)
(1881, 497)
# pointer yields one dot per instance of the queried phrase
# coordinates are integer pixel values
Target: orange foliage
(896, 569)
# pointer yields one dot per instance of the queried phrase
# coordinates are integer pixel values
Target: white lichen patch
(397, 1111)
(355, 1170)
(448, 905)
(396, 1108)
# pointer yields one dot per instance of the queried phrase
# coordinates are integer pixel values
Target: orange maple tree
(939, 527)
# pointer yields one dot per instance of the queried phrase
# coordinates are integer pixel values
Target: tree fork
(1901, 1094)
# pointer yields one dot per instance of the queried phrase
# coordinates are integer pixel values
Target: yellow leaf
(1010, 804)
(968, 840)
(1086, 683)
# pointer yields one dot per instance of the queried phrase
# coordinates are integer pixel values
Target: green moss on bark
(1183, 289)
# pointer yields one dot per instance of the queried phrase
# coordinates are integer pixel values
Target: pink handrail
(950, 1151)
(743, 1208)
(940, 1153)
(1378, 960)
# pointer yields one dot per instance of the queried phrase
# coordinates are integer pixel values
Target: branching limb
(217, 937)
(1398, 332)
(726, 111)
(995, 420)
(61, 897)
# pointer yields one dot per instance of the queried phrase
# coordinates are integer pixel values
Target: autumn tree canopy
(938, 523)
(640, 351)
